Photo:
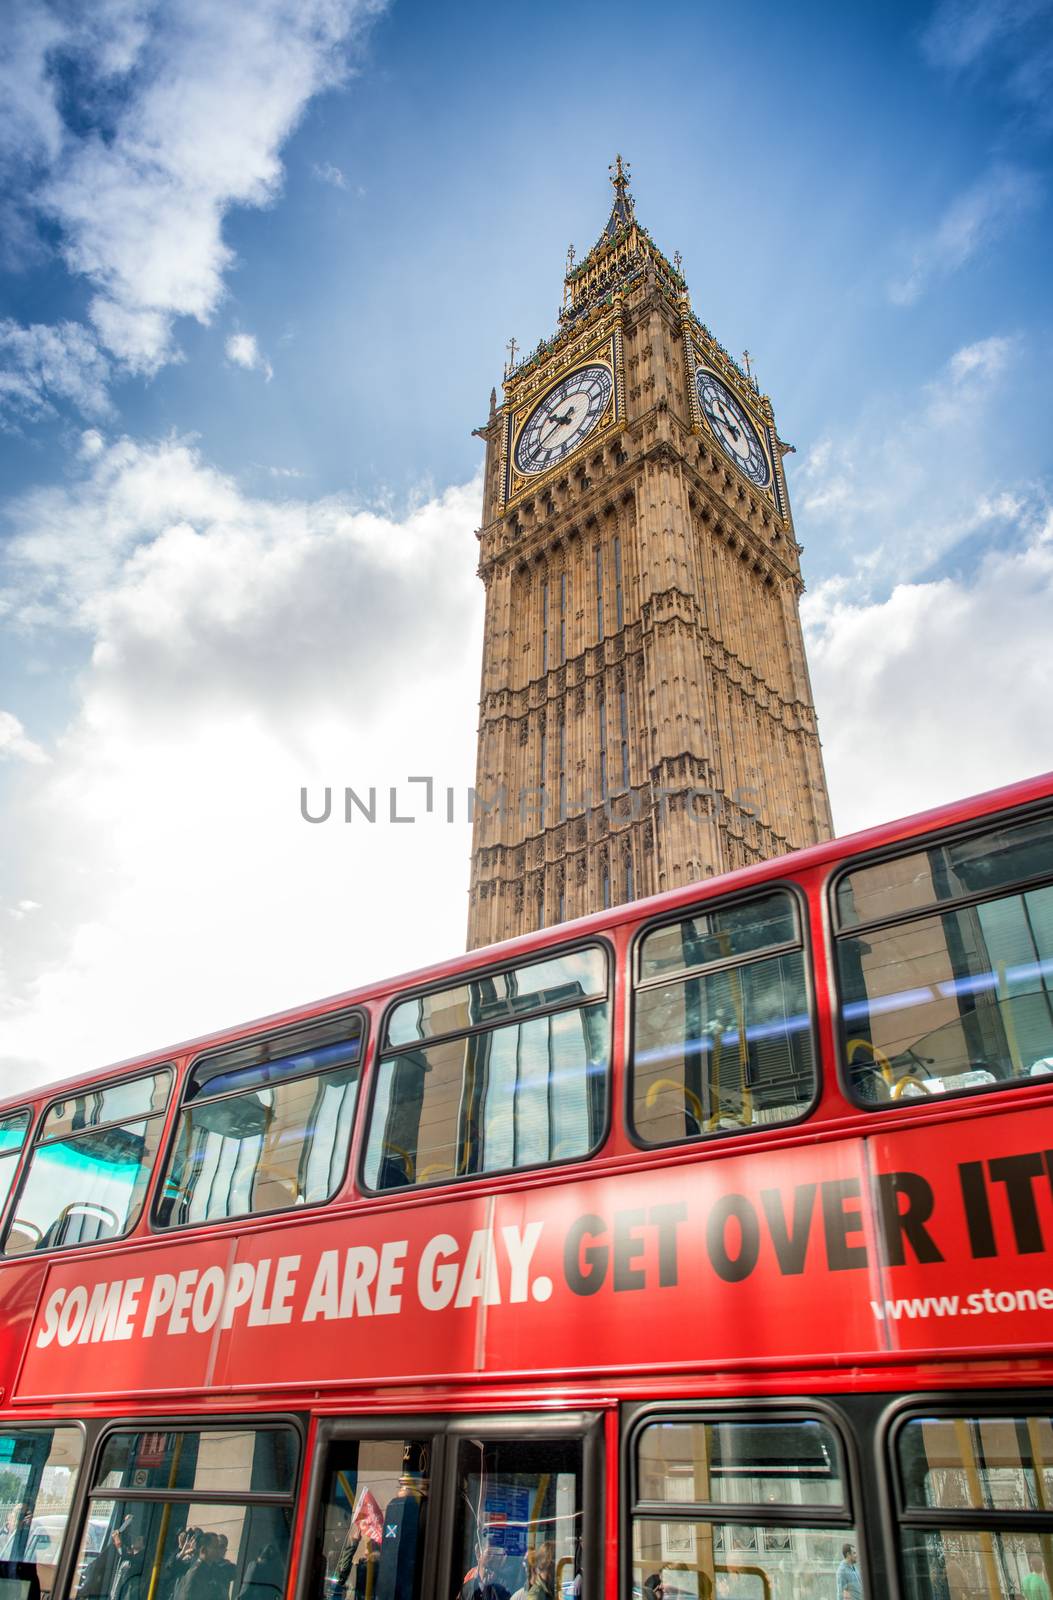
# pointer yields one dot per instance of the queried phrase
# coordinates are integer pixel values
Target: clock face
(734, 430)
(566, 416)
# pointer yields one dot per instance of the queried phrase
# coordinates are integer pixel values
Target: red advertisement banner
(918, 1240)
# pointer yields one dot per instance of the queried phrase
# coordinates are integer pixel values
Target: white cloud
(972, 221)
(239, 649)
(30, 124)
(326, 172)
(900, 487)
(44, 363)
(243, 351)
(1011, 40)
(942, 689)
(208, 95)
(14, 744)
(92, 444)
(961, 392)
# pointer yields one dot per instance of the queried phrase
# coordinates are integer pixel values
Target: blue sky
(258, 266)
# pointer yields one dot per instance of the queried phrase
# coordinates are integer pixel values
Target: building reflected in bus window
(976, 1498)
(180, 1545)
(13, 1130)
(370, 1544)
(90, 1166)
(722, 1036)
(503, 1071)
(945, 959)
(265, 1125)
(742, 1510)
(519, 1521)
(38, 1475)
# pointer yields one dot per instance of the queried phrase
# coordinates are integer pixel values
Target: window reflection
(519, 1525)
(959, 1001)
(373, 1519)
(266, 1125)
(995, 1473)
(13, 1130)
(770, 1484)
(182, 1545)
(38, 1476)
(176, 1550)
(536, 985)
(722, 1034)
(961, 1564)
(505, 1095)
(741, 1463)
(88, 1174)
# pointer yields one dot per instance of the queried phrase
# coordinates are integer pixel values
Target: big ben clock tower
(646, 717)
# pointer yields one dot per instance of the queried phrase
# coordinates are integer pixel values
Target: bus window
(265, 1125)
(519, 1526)
(722, 1036)
(959, 1476)
(181, 1545)
(89, 1169)
(742, 1509)
(946, 968)
(13, 1130)
(371, 1540)
(462, 1089)
(38, 1474)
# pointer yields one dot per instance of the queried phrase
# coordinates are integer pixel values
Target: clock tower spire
(646, 717)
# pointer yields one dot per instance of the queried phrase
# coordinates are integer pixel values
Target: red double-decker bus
(699, 1248)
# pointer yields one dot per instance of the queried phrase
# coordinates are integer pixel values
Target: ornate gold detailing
(524, 392)
(620, 175)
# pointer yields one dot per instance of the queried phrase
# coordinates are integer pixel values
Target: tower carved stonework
(646, 716)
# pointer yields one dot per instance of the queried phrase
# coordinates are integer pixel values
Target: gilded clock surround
(646, 717)
(523, 399)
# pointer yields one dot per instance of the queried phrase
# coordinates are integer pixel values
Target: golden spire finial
(512, 349)
(622, 211)
(566, 276)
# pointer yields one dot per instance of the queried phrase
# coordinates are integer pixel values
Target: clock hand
(556, 424)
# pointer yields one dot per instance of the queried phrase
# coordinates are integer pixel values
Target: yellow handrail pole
(166, 1518)
(879, 1058)
(1045, 1539)
(972, 1477)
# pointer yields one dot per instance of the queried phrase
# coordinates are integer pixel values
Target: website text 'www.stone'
(910, 1308)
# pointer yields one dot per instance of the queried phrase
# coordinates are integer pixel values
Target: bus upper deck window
(265, 1124)
(504, 1070)
(722, 1036)
(945, 958)
(13, 1130)
(90, 1166)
